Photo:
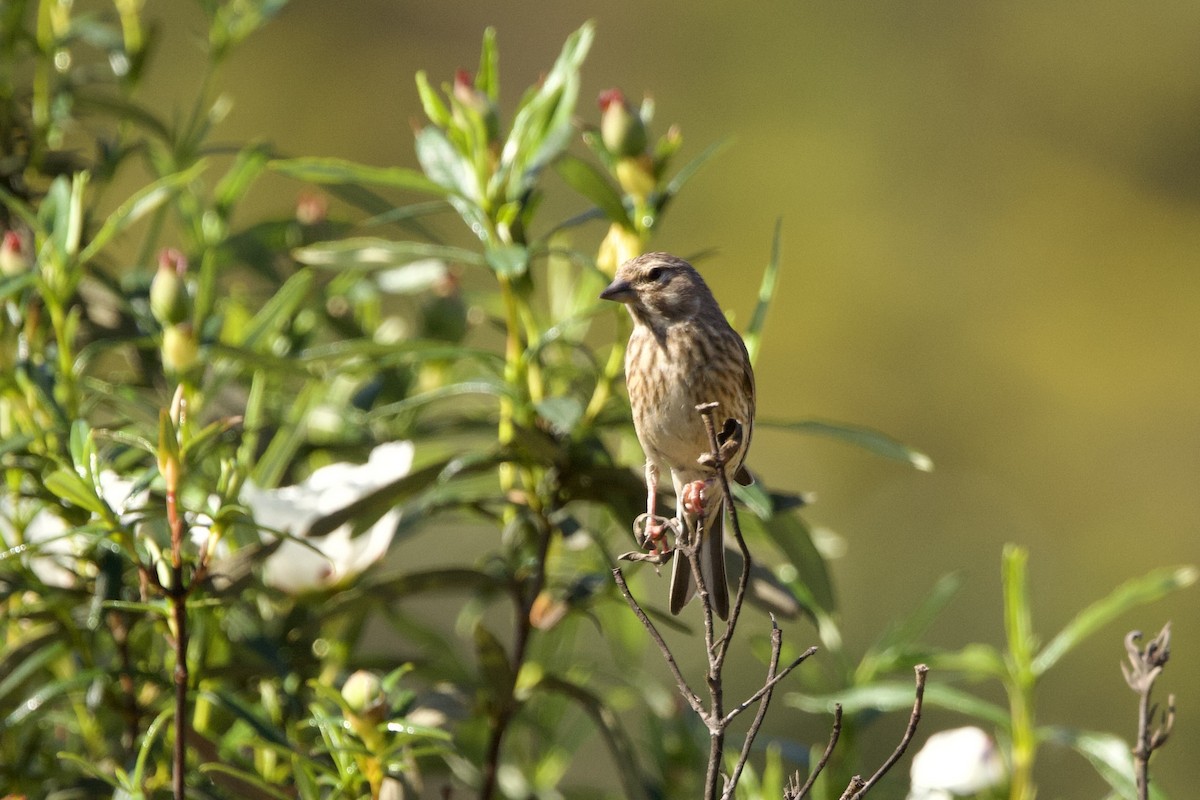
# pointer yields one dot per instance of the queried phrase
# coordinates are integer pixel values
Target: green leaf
(36, 703)
(148, 740)
(372, 506)
(68, 486)
(633, 782)
(480, 388)
(248, 165)
(487, 79)
(138, 206)
(1018, 623)
(30, 656)
(1109, 755)
(287, 440)
(676, 184)
(766, 292)
(896, 695)
(282, 306)
(87, 767)
(561, 412)
(1127, 596)
(792, 536)
(336, 170)
(248, 784)
(906, 630)
(509, 260)
(866, 438)
(370, 253)
(584, 178)
(495, 671)
(542, 125)
(239, 709)
(435, 109)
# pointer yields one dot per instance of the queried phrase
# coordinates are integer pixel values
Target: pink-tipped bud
(169, 302)
(311, 208)
(621, 127)
(477, 102)
(13, 260)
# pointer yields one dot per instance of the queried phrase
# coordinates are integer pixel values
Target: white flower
(57, 549)
(956, 763)
(326, 561)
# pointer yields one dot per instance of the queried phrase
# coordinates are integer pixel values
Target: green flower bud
(621, 127)
(180, 350)
(169, 302)
(13, 260)
(364, 694)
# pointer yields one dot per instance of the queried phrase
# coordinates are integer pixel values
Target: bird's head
(660, 288)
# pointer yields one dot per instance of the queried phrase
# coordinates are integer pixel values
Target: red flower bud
(621, 127)
(13, 260)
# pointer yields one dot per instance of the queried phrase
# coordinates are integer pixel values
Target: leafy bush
(190, 580)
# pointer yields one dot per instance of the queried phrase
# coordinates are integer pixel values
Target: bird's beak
(619, 291)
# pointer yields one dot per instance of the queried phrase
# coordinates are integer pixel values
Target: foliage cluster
(168, 365)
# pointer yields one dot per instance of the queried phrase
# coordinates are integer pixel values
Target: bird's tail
(712, 564)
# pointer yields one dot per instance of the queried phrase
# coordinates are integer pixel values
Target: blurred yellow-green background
(991, 250)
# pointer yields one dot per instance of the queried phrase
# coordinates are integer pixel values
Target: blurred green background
(991, 231)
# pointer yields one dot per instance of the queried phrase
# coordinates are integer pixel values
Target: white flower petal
(956, 762)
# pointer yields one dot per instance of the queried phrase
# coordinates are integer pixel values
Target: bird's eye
(654, 274)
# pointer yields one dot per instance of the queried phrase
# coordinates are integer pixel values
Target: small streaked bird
(682, 352)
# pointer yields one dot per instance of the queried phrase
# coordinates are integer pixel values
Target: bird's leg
(656, 537)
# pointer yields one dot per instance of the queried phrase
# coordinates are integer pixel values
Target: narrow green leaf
(435, 109)
(766, 292)
(487, 80)
(248, 165)
(138, 206)
(1127, 596)
(32, 656)
(480, 388)
(676, 184)
(370, 253)
(249, 786)
(68, 486)
(87, 767)
(370, 507)
(584, 178)
(605, 719)
(866, 438)
(896, 695)
(1109, 755)
(509, 260)
(336, 170)
(1018, 623)
(282, 306)
(495, 671)
(792, 536)
(36, 702)
(287, 440)
(262, 726)
(908, 629)
(148, 740)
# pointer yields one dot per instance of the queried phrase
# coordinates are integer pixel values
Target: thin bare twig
(858, 787)
(769, 685)
(794, 792)
(692, 698)
(1145, 666)
(752, 733)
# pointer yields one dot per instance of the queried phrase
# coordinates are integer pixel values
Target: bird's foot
(651, 533)
(693, 496)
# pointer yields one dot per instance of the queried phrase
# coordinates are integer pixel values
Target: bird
(682, 352)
